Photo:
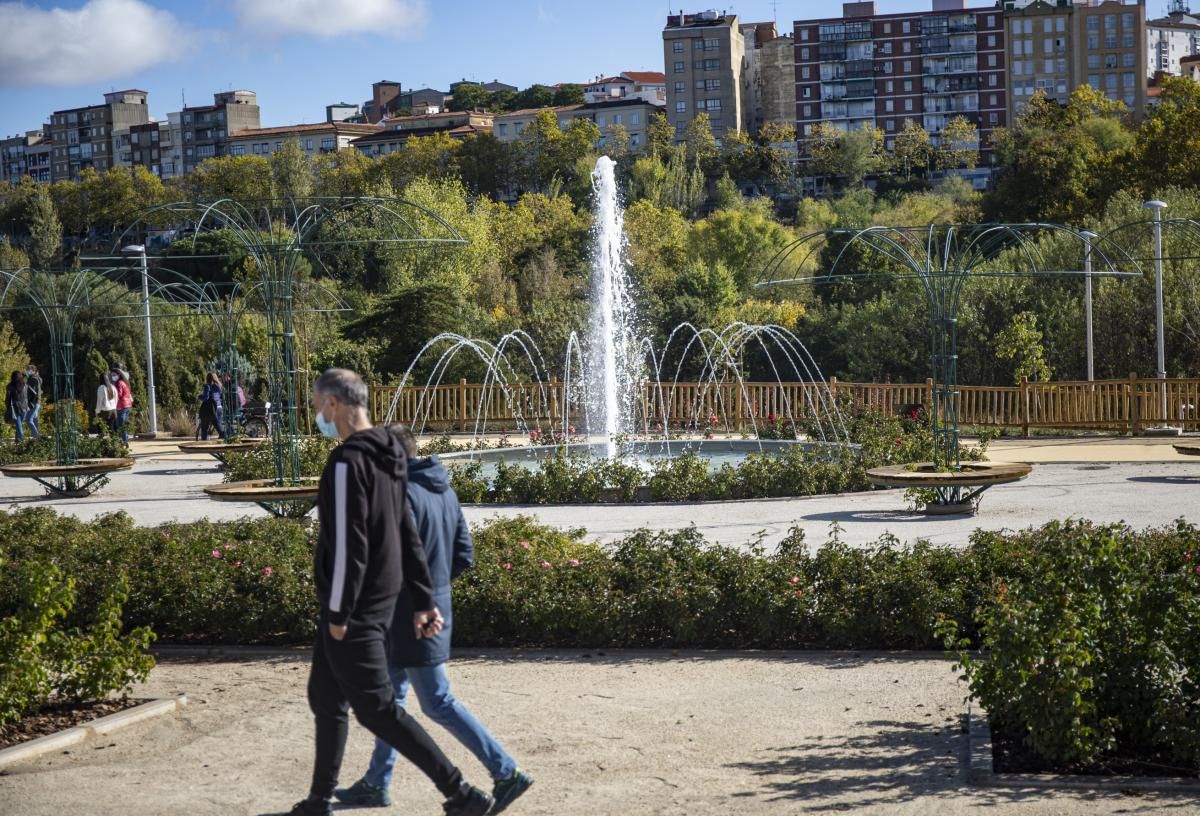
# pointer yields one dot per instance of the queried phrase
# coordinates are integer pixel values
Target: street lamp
(1157, 207)
(140, 251)
(1087, 299)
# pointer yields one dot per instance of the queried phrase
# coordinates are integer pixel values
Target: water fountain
(616, 385)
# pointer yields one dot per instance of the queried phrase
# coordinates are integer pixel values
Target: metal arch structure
(942, 258)
(282, 236)
(60, 297)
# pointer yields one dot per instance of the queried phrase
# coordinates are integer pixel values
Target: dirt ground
(627, 733)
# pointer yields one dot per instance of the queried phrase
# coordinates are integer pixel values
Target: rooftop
(314, 127)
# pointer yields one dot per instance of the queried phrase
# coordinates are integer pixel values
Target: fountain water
(614, 366)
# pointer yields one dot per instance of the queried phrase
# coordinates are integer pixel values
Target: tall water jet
(614, 364)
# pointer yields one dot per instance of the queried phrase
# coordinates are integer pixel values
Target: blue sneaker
(508, 789)
(364, 794)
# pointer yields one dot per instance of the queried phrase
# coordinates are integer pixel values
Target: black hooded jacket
(369, 549)
(448, 551)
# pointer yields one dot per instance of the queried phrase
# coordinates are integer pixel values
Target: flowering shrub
(1091, 637)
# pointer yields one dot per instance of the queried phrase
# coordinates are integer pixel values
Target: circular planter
(957, 491)
(1187, 448)
(73, 481)
(291, 500)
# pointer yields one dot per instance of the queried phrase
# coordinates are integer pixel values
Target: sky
(301, 55)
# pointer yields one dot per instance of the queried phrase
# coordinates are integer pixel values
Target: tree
(1021, 342)
(485, 164)
(700, 144)
(45, 230)
(958, 144)
(535, 96)
(345, 173)
(616, 143)
(854, 155)
(659, 136)
(242, 178)
(741, 240)
(470, 96)
(912, 148)
(568, 93)
(291, 173)
(429, 157)
(1167, 150)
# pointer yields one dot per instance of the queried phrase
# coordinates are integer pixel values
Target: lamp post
(1087, 300)
(140, 251)
(1161, 371)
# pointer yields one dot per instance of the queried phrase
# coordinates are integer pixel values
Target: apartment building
(25, 155)
(142, 146)
(1172, 38)
(705, 58)
(881, 70)
(205, 130)
(399, 129)
(314, 139)
(650, 86)
(1110, 54)
(775, 82)
(83, 137)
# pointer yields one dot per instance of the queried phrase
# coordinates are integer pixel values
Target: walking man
(421, 662)
(33, 385)
(367, 552)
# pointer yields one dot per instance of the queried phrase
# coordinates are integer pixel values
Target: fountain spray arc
(614, 363)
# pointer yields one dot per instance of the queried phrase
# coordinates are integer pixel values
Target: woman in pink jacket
(120, 381)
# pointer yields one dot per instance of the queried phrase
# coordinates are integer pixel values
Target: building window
(712, 65)
(889, 87)
(1093, 40)
(908, 66)
(681, 106)
(635, 118)
(677, 47)
(887, 67)
(804, 52)
(907, 47)
(1110, 61)
(804, 35)
(806, 91)
(503, 126)
(1110, 21)
(712, 104)
(908, 86)
(994, 118)
(991, 21)
(678, 87)
(1094, 79)
(805, 73)
(1028, 27)
(1016, 27)
(991, 40)
(807, 111)
(887, 47)
(991, 60)
(889, 106)
(1048, 66)
(679, 67)
(908, 104)
(1127, 80)
(1110, 40)
(1047, 25)
(906, 27)
(887, 28)
(239, 150)
(1127, 39)
(1127, 59)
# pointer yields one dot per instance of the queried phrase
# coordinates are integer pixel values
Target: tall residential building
(705, 58)
(142, 146)
(1110, 52)
(1169, 39)
(26, 155)
(881, 70)
(205, 130)
(83, 137)
(775, 82)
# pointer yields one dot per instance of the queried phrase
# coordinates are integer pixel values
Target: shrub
(1092, 643)
(259, 463)
(98, 446)
(44, 659)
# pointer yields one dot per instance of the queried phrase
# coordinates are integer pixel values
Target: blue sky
(300, 55)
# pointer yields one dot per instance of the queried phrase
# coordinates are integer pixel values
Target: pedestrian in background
(211, 406)
(33, 388)
(16, 403)
(106, 402)
(120, 381)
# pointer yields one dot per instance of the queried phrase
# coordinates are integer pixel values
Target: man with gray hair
(367, 552)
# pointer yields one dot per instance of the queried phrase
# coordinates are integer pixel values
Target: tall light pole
(1157, 207)
(1087, 300)
(140, 251)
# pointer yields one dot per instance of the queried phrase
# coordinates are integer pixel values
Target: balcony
(950, 85)
(859, 89)
(828, 52)
(860, 69)
(944, 68)
(844, 32)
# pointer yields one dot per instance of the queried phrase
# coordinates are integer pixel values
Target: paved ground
(635, 733)
(1100, 479)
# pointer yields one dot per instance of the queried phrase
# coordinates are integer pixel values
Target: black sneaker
(469, 801)
(312, 807)
(508, 789)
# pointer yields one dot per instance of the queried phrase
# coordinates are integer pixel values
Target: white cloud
(333, 18)
(102, 40)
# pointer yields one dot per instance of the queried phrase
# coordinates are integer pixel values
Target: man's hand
(427, 624)
(337, 632)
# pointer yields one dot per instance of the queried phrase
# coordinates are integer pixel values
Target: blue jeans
(31, 419)
(432, 687)
(122, 421)
(19, 425)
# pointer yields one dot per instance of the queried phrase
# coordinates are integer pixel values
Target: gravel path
(629, 733)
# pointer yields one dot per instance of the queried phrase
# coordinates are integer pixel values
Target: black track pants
(352, 674)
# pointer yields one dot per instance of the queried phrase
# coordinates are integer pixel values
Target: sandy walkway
(634, 733)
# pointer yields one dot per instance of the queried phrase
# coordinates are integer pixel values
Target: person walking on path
(368, 551)
(120, 381)
(106, 402)
(16, 403)
(33, 388)
(211, 408)
(421, 662)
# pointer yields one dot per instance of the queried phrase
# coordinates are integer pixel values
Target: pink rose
(525, 545)
(574, 562)
(795, 579)
(546, 565)
(216, 553)
(508, 565)
(267, 571)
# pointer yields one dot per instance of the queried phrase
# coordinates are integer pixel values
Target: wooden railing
(1127, 405)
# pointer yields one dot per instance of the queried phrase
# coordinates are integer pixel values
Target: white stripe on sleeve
(339, 536)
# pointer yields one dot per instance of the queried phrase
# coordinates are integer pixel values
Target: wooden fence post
(1024, 406)
(1135, 407)
(461, 408)
(928, 400)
